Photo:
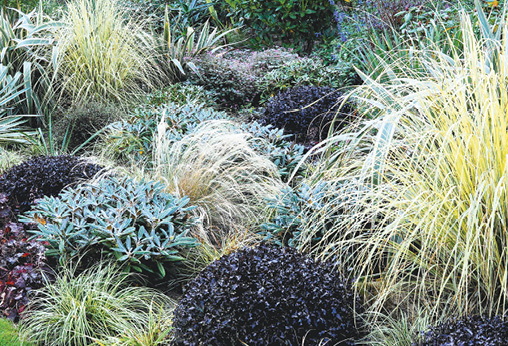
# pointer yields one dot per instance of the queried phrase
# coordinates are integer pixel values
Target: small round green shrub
(82, 120)
(470, 331)
(43, 176)
(304, 71)
(231, 83)
(267, 296)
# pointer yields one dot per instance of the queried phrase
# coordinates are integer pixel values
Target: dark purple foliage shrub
(267, 296)
(21, 264)
(307, 112)
(469, 331)
(42, 176)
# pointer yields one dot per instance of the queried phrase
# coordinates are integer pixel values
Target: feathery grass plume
(219, 171)
(103, 54)
(91, 308)
(429, 224)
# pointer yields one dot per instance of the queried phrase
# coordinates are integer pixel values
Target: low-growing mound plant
(304, 71)
(133, 223)
(470, 331)
(43, 176)
(231, 83)
(97, 307)
(267, 296)
(294, 208)
(307, 112)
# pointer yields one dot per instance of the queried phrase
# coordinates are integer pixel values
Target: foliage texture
(267, 296)
(43, 176)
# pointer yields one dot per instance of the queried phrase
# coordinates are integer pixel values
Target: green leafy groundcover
(9, 335)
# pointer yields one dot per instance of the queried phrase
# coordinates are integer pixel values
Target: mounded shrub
(267, 296)
(133, 223)
(306, 111)
(43, 176)
(83, 120)
(231, 83)
(470, 331)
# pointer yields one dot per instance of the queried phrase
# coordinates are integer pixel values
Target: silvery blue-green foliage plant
(132, 137)
(273, 143)
(295, 207)
(132, 222)
(301, 214)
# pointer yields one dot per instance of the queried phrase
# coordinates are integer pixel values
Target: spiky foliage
(218, 170)
(432, 168)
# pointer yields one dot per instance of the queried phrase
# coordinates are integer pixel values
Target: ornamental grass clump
(435, 167)
(267, 296)
(103, 54)
(96, 307)
(219, 171)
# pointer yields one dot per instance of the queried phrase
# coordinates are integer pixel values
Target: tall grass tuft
(428, 227)
(94, 307)
(103, 54)
(219, 171)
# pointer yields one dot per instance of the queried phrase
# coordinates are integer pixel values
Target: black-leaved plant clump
(307, 112)
(42, 176)
(267, 296)
(469, 331)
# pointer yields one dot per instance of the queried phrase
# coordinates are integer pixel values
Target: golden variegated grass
(103, 55)
(427, 227)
